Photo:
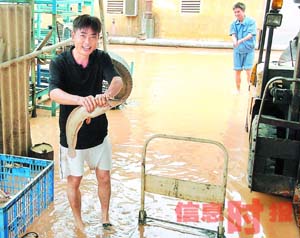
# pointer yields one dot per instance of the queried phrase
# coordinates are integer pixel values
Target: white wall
(290, 24)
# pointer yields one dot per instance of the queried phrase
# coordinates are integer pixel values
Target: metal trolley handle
(183, 189)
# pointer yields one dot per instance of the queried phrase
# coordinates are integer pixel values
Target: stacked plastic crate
(27, 189)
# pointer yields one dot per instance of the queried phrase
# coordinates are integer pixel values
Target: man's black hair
(86, 21)
(239, 5)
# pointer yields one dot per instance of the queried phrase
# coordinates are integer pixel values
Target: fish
(76, 119)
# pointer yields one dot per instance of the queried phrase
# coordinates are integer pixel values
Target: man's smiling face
(85, 41)
(239, 14)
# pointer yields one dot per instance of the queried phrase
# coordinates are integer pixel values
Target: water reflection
(176, 91)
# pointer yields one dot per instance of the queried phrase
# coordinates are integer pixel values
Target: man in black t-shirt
(76, 78)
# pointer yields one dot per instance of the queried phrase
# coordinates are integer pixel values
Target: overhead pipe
(35, 53)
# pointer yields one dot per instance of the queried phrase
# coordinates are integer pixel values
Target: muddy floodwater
(176, 91)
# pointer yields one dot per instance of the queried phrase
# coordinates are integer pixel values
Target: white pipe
(34, 54)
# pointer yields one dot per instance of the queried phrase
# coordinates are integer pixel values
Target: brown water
(185, 92)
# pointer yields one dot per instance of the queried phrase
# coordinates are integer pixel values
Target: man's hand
(235, 44)
(240, 41)
(234, 41)
(102, 99)
(88, 102)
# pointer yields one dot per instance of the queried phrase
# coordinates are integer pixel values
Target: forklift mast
(273, 119)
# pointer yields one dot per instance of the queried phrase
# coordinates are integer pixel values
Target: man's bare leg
(74, 197)
(248, 72)
(104, 192)
(238, 79)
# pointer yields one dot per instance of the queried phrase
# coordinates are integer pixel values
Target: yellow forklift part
(277, 4)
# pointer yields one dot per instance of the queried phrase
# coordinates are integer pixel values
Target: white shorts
(99, 156)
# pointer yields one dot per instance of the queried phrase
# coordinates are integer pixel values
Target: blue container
(30, 184)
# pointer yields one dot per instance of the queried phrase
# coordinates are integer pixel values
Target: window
(115, 6)
(131, 7)
(192, 6)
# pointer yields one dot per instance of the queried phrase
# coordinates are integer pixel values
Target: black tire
(124, 70)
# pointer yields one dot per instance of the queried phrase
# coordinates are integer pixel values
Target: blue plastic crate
(30, 184)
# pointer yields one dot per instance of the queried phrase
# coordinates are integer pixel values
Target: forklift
(273, 119)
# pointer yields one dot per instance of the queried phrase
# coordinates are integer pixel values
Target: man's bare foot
(79, 225)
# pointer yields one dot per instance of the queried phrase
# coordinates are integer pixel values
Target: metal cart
(183, 189)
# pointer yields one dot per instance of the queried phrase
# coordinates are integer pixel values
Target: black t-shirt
(72, 78)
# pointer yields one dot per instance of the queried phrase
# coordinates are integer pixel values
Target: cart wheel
(221, 232)
(142, 217)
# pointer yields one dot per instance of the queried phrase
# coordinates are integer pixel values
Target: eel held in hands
(76, 119)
